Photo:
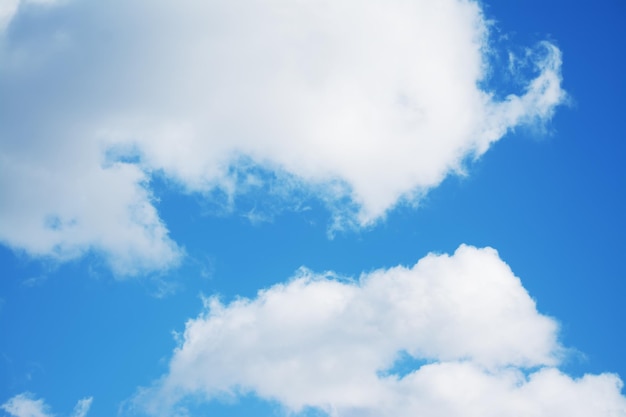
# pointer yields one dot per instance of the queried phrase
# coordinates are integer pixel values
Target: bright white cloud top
(318, 341)
(363, 104)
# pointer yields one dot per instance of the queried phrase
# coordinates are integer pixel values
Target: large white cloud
(26, 405)
(365, 104)
(318, 341)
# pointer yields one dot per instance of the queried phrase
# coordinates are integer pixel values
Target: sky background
(549, 196)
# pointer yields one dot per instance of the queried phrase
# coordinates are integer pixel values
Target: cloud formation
(26, 405)
(364, 104)
(9, 8)
(476, 344)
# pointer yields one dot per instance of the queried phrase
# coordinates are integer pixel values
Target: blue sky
(312, 207)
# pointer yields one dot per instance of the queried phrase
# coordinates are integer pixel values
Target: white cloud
(82, 407)
(53, 208)
(328, 343)
(365, 104)
(25, 405)
(9, 8)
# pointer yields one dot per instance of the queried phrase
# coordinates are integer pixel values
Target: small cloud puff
(26, 405)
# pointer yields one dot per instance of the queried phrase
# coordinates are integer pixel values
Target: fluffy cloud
(365, 104)
(25, 405)
(476, 343)
(60, 210)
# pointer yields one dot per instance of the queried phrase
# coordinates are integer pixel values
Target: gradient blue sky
(550, 197)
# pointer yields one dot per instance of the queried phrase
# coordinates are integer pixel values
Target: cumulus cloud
(59, 210)
(26, 405)
(364, 104)
(477, 344)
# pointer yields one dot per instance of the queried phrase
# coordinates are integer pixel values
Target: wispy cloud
(480, 345)
(9, 8)
(82, 407)
(34, 281)
(27, 405)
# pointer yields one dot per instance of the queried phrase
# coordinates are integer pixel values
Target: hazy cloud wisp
(26, 405)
